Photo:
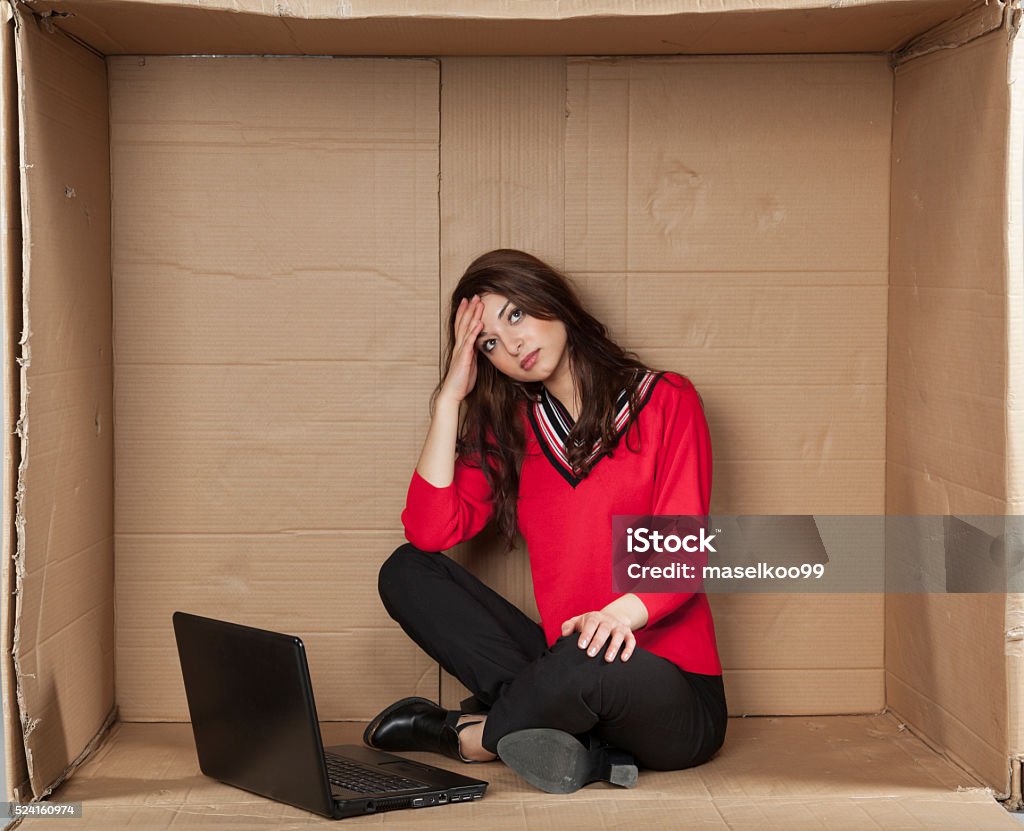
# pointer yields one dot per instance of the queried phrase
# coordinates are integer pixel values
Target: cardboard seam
(945, 754)
(940, 707)
(567, 110)
(113, 390)
(976, 22)
(47, 19)
(815, 714)
(893, 114)
(288, 28)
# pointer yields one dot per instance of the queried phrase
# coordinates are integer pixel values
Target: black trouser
(666, 717)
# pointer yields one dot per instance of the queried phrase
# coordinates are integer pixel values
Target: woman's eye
(516, 314)
(487, 345)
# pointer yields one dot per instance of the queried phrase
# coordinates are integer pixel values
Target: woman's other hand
(599, 628)
(462, 371)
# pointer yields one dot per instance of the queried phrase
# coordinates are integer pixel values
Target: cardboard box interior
(223, 279)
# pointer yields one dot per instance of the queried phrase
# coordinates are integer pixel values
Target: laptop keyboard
(361, 779)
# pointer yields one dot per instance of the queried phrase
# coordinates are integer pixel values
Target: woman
(562, 430)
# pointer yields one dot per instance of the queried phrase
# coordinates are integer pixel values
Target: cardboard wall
(63, 647)
(227, 363)
(275, 275)
(946, 425)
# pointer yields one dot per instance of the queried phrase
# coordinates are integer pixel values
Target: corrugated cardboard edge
(1014, 643)
(975, 22)
(16, 771)
(17, 561)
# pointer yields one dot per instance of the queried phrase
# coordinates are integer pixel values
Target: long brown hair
(492, 435)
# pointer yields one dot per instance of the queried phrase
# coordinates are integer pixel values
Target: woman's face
(511, 338)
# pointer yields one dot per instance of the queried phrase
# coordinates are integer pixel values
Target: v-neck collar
(552, 423)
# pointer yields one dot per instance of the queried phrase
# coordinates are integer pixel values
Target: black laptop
(255, 726)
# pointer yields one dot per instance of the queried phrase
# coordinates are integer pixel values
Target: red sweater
(567, 523)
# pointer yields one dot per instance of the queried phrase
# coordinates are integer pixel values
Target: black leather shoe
(416, 724)
(557, 762)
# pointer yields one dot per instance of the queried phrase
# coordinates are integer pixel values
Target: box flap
(481, 27)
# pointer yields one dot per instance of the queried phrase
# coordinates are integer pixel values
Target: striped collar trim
(552, 423)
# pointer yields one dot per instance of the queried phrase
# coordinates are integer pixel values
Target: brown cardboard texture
(478, 27)
(146, 776)
(224, 281)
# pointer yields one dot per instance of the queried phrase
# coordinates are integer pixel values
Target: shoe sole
(556, 762)
(373, 725)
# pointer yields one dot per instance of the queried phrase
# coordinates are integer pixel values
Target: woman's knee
(399, 569)
(566, 652)
(568, 673)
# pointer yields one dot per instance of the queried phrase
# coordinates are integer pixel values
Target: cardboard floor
(791, 773)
